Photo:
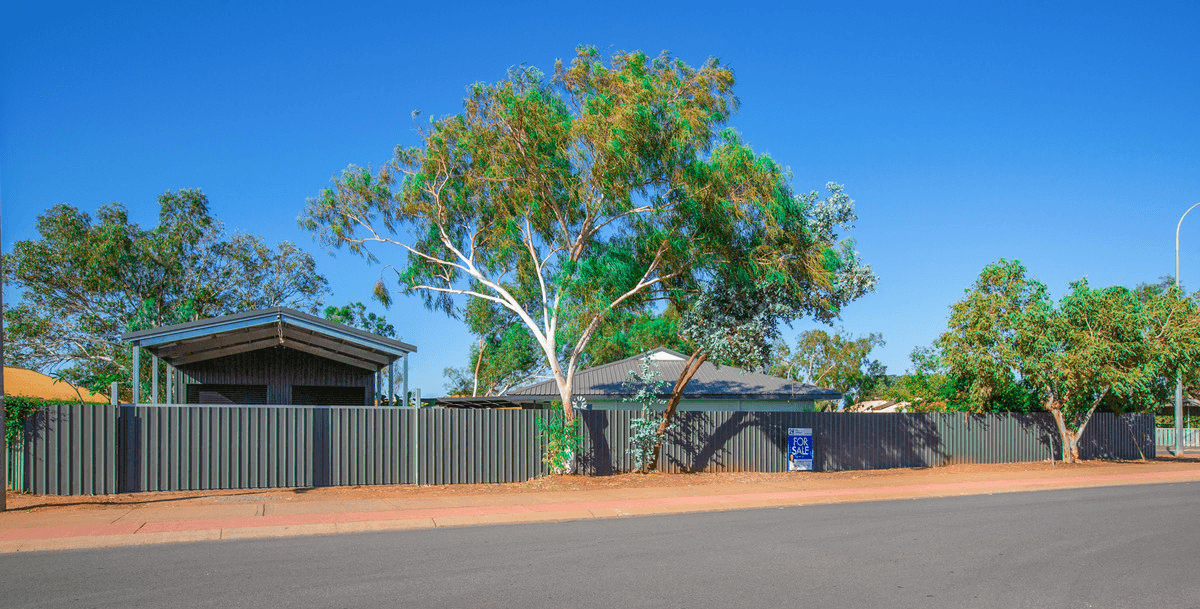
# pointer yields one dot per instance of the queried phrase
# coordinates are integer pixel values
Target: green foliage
(570, 201)
(835, 361)
(625, 334)
(787, 264)
(645, 384)
(1147, 291)
(1190, 421)
(355, 315)
(505, 355)
(925, 386)
(17, 409)
(562, 438)
(1191, 375)
(86, 280)
(646, 387)
(1097, 347)
(644, 439)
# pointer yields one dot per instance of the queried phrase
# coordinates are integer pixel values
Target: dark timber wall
(97, 449)
(279, 368)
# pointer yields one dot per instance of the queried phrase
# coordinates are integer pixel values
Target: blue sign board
(800, 449)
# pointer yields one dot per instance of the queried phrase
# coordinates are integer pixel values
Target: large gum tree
(564, 201)
(86, 279)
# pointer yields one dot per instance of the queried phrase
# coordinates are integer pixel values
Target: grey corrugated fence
(16, 465)
(68, 449)
(102, 449)
(757, 441)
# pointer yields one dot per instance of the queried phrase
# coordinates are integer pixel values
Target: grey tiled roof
(726, 382)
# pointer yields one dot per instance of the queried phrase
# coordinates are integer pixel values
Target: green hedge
(18, 408)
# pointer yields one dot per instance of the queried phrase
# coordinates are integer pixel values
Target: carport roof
(206, 339)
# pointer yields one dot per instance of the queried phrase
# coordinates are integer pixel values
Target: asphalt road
(1132, 546)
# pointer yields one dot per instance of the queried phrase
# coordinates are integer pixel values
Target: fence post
(414, 446)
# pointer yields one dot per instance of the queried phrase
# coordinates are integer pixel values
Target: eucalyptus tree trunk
(478, 363)
(1070, 437)
(689, 370)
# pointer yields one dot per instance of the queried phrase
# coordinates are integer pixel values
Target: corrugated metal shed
(710, 382)
(269, 356)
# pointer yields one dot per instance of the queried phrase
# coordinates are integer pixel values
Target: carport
(269, 356)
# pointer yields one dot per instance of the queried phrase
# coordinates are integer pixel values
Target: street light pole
(1179, 374)
(3, 429)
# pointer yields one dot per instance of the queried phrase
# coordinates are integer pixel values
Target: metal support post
(391, 392)
(154, 379)
(137, 376)
(406, 400)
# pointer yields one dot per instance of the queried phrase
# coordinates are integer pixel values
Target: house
(880, 406)
(27, 383)
(713, 388)
(270, 356)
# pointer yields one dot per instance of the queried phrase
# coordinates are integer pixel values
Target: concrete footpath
(37, 523)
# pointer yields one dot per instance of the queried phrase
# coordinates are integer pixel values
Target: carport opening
(318, 395)
(226, 394)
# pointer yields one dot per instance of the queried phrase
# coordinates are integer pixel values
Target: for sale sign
(800, 449)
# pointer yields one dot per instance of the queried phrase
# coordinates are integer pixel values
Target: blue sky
(1065, 136)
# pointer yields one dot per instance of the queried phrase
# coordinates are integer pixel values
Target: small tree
(645, 436)
(840, 362)
(926, 386)
(1096, 346)
(505, 353)
(561, 437)
(355, 315)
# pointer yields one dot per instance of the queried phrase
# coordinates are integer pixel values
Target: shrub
(562, 440)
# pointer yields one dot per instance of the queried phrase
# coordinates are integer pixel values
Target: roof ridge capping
(784, 387)
(258, 317)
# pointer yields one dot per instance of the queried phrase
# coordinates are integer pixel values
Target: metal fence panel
(70, 449)
(478, 446)
(76, 449)
(182, 447)
(757, 441)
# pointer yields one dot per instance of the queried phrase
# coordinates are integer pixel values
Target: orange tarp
(30, 384)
